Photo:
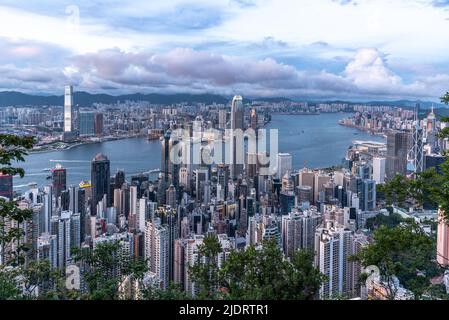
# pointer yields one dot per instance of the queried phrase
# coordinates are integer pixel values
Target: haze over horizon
(321, 49)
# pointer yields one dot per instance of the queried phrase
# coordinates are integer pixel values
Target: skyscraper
(142, 214)
(47, 249)
(73, 199)
(333, 246)
(100, 176)
(98, 124)
(397, 150)
(157, 250)
(86, 120)
(284, 164)
(298, 230)
(417, 151)
(179, 262)
(291, 233)
(68, 109)
(434, 161)
(236, 146)
(201, 177)
(61, 228)
(6, 186)
(367, 195)
(321, 179)
(442, 240)
(222, 119)
(379, 170)
(254, 119)
(169, 166)
(170, 196)
(59, 179)
(133, 200)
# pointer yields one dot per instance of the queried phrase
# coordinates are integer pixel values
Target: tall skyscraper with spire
(68, 109)
(417, 152)
(237, 149)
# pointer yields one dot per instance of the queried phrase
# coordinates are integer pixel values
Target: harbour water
(314, 141)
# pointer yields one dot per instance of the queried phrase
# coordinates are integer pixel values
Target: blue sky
(312, 49)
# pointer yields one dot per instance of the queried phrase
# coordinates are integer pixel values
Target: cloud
(440, 3)
(185, 70)
(254, 47)
(367, 75)
(30, 53)
(346, 2)
(368, 69)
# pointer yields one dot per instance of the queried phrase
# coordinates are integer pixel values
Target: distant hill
(409, 103)
(84, 99)
(397, 103)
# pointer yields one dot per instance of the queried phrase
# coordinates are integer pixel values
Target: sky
(303, 49)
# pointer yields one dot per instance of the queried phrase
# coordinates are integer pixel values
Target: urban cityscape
(223, 195)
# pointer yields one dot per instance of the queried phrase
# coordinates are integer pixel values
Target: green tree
(40, 281)
(264, 274)
(390, 221)
(9, 287)
(445, 98)
(173, 292)
(395, 191)
(405, 252)
(303, 278)
(205, 271)
(104, 268)
(13, 149)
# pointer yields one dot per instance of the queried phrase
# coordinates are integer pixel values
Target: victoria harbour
(315, 141)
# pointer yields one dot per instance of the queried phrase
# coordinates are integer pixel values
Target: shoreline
(81, 143)
(363, 129)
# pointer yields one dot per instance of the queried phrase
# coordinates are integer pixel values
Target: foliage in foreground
(13, 149)
(404, 251)
(256, 274)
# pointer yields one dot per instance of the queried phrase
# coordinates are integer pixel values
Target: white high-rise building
(291, 233)
(142, 214)
(298, 230)
(157, 251)
(333, 246)
(48, 207)
(184, 178)
(61, 228)
(133, 199)
(379, 170)
(68, 109)
(47, 249)
(284, 164)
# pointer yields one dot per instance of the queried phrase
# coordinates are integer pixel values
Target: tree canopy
(13, 149)
(404, 251)
(445, 98)
(259, 273)
(105, 267)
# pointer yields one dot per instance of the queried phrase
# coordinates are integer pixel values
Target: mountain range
(84, 99)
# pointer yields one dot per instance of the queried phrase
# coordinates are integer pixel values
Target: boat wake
(73, 161)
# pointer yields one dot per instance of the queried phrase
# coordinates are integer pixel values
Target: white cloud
(368, 69)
